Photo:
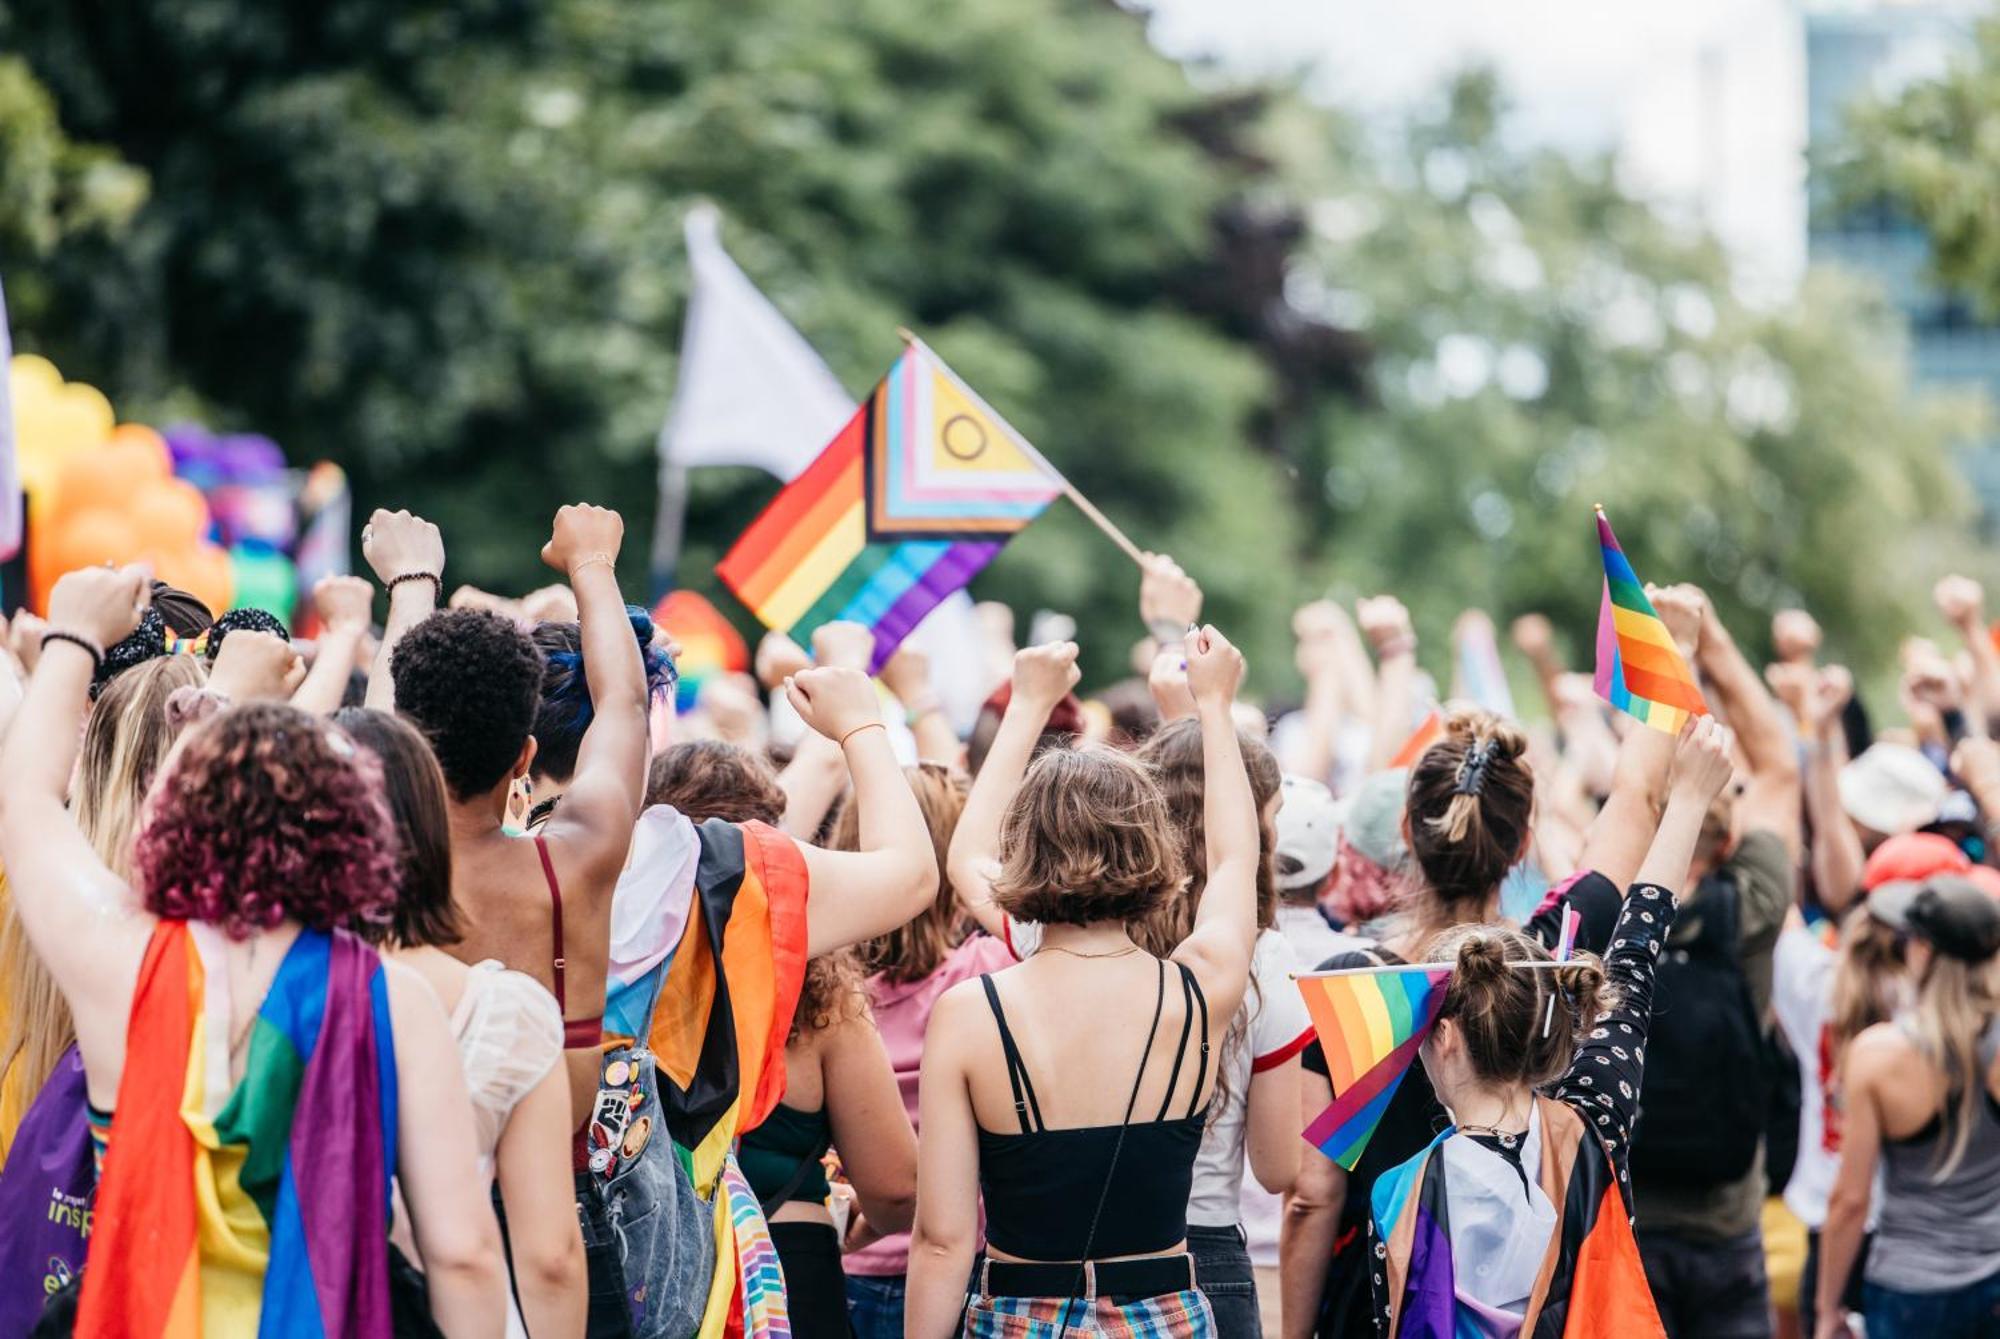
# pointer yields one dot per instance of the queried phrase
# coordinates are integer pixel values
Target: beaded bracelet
(437, 582)
(90, 648)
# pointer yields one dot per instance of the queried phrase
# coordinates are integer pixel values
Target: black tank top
(1044, 1187)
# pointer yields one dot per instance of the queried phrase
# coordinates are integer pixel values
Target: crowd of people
(441, 975)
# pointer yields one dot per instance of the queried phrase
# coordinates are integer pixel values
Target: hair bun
(1481, 957)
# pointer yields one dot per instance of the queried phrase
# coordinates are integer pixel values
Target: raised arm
(406, 553)
(1771, 799)
(1962, 601)
(1327, 646)
(343, 605)
(65, 896)
(1836, 854)
(1701, 769)
(1219, 946)
(908, 676)
(857, 895)
(1386, 624)
(1042, 674)
(817, 773)
(603, 799)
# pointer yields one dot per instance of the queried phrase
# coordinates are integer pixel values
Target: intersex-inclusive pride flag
(1639, 669)
(910, 501)
(1370, 1022)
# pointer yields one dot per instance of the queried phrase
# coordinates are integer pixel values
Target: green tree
(1929, 155)
(1544, 341)
(440, 243)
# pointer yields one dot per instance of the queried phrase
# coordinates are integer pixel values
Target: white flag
(751, 390)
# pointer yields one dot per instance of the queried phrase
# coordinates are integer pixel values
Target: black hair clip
(1472, 772)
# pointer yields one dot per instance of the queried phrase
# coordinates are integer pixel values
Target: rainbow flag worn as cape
(259, 1209)
(916, 495)
(1370, 1023)
(710, 921)
(1639, 669)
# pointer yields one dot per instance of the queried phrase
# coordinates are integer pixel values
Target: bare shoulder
(1875, 1053)
(957, 1012)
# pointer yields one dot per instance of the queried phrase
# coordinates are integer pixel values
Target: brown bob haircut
(1087, 839)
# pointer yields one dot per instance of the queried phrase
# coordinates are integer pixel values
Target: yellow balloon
(30, 373)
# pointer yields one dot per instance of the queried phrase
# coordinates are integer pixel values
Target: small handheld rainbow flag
(1371, 1023)
(1428, 732)
(916, 495)
(1639, 669)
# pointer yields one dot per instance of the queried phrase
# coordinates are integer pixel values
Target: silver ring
(366, 532)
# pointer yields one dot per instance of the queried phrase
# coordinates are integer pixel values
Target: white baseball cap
(1308, 833)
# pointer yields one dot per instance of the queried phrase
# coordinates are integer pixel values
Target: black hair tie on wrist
(77, 639)
(437, 582)
(1472, 772)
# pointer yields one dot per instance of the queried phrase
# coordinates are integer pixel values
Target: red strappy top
(579, 1034)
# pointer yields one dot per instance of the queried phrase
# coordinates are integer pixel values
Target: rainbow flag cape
(1639, 669)
(260, 1209)
(1370, 1023)
(914, 497)
(708, 938)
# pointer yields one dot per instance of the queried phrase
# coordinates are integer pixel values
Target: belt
(1129, 1280)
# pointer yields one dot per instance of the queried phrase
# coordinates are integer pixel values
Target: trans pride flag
(913, 498)
(1370, 1022)
(1639, 669)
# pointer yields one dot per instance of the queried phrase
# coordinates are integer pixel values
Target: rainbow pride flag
(259, 1208)
(913, 498)
(1370, 1022)
(1639, 669)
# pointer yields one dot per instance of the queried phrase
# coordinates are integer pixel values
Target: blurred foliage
(441, 244)
(1929, 155)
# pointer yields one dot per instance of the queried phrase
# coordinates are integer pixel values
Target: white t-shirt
(1802, 996)
(1277, 1028)
(1312, 941)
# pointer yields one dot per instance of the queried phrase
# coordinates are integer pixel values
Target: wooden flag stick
(1083, 504)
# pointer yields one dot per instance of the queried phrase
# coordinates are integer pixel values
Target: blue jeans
(875, 1305)
(1971, 1312)
(1222, 1270)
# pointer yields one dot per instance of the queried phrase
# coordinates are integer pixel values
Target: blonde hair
(912, 952)
(124, 742)
(1868, 967)
(1955, 1003)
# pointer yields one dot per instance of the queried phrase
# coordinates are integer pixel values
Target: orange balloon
(138, 443)
(202, 570)
(93, 480)
(89, 538)
(169, 515)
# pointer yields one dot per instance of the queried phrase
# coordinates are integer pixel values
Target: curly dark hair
(1087, 839)
(268, 812)
(565, 712)
(246, 619)
(414, 786)
(471, 681)
(706, 778)
(832, 992)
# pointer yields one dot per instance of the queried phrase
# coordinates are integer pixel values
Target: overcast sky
(1704, 100)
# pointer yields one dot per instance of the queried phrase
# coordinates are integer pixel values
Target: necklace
(1507, 1138)
(1114, 953)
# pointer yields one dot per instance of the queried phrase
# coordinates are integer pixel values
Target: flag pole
(1083, 504)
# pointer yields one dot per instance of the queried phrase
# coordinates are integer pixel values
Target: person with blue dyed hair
(565, 714)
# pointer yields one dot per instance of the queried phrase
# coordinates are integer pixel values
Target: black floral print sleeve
(1602, 1083)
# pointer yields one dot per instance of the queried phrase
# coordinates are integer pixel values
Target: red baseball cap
(1911, 858)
